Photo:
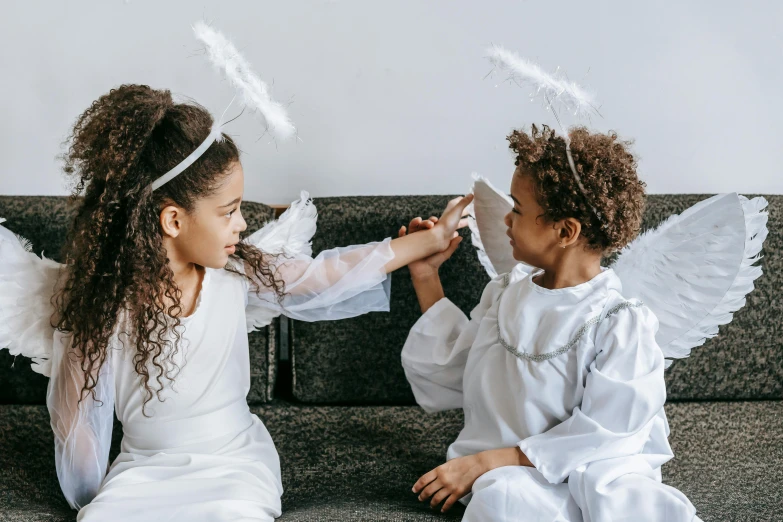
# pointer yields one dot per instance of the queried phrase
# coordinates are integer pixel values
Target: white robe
(574, 378)
(199, 455)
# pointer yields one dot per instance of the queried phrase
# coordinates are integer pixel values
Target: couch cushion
(358, 463)
(358, 360)
(44, 220)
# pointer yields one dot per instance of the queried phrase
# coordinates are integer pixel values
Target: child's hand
(454, 479)
(450, 482)
(429, 265)
(453, 218)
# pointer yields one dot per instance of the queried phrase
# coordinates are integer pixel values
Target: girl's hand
(428, 266)
(450, 482)
(432, 241)
(453, 218)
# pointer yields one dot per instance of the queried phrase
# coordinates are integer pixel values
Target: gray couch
(337, 404)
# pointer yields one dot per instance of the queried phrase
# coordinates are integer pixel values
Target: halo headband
(553, 90)
(215, 135)
(253, 92)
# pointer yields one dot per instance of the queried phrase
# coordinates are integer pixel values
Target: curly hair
(117, 270)
(610, 208)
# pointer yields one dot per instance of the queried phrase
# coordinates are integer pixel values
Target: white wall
(389, 97)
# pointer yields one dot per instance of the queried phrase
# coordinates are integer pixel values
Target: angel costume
(574, 377)
(200, 455)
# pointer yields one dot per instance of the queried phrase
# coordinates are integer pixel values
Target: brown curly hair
(610, 208)
(116, 265)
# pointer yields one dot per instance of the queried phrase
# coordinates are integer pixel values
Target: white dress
(571, 376)
(200, 455)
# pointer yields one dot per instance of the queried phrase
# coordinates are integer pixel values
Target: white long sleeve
(623, 400)
(437, 347)
(339, 283)
(82, 431)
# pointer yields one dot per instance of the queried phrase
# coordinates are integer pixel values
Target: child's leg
(627, 488)
(514, 493)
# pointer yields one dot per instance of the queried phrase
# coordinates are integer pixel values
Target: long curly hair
(607, 170)
(117, 270)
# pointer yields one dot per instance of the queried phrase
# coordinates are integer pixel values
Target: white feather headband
(556, 92)
(249, 87)
(253, 92)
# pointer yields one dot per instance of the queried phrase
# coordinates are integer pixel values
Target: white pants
(616, 490)
(627, 489)
(516, 493)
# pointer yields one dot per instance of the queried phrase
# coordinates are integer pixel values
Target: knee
(505, 493)
(600, 475)
(515, 483)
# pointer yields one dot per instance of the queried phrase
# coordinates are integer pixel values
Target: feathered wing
(292, 232)
(27, 284)
(290, 235)
(487, 228)
(696, 268)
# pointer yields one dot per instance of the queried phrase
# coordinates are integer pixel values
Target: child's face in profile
(210, 231)
(532, 237)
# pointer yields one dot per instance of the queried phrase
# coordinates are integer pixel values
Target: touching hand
(453, 218)
(428, 266)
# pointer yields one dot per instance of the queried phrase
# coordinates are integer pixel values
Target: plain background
(391, 97)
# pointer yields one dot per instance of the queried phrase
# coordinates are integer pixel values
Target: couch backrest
(44, 220)
(358, 360)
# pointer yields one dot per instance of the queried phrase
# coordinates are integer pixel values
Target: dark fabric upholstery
(358, 360)
(44, 220)
(358, 463)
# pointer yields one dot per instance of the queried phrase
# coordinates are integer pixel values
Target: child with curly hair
(153, 305)
(559, 376)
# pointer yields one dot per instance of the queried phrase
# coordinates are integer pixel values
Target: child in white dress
(151, 312)
(559, 375)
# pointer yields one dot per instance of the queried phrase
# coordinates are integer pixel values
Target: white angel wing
(487, 229)
(292, 232)
(695, 269)
(27, 284)
(291, 235)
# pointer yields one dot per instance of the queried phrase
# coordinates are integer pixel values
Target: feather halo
(252, 90)
(554, 90)
(567, 94)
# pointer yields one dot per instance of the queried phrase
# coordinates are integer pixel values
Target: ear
(569, 230)
(171, 220)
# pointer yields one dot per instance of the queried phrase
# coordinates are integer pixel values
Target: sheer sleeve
(623, 399)
(82, 431)
(437, 347)
(339, 283)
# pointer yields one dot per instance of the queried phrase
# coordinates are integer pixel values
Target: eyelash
(515, 211)
(230, 213)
